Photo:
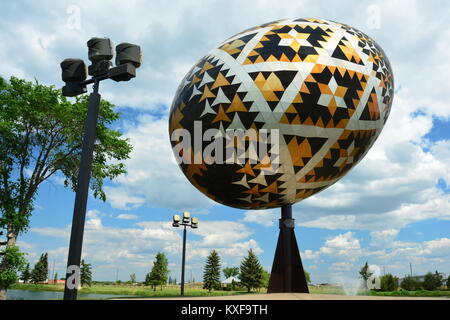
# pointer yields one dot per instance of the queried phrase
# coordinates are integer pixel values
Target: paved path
(296, 296)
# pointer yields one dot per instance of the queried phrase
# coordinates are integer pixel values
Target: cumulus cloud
(134, 248)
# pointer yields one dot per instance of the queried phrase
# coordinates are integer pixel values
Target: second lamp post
(186, 222)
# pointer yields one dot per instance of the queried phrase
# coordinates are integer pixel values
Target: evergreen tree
(365, 273)
(252, 272)
(432, 281)
(40, 271)
(26, 274)
(211, 272)
(55, 278)
(133, 278)
(85, 273)
(159, 273)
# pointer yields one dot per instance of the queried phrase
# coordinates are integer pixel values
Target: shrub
(432, 281)
(389, 283)
(411, 284)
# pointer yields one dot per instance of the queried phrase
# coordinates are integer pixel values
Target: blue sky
(391, 209)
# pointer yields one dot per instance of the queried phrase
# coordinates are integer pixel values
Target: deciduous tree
(40, 136)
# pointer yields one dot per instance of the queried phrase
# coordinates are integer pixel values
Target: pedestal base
(287, 270)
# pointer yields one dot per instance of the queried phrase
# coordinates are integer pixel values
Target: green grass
(197, 291)
(129, 290)
(418, 293)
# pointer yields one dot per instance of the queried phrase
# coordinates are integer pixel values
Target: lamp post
(185, 222)
(74, 74)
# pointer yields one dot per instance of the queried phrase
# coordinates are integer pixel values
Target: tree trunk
(11, 239)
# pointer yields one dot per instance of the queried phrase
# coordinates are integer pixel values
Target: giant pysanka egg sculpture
(317, 93)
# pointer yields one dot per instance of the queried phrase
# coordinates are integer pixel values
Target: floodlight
(186, 217)
(100, 49)
(73, 70)
(194, 222)
(73, 73)
(100, 52)
(128, 53)
(176, 218)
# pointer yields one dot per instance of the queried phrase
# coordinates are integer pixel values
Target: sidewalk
(295, 296)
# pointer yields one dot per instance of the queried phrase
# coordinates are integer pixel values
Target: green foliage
(388, 282)
(15, 260)
(26, 274)
(448, 282)
(410, 284)
(265, 279)
(307, 276)
(251, 274)
(230, 272)
(365, 273)
(432, 281)
(41, 134)
(211, 272)
(85, 273)
(159, 273)
(40, 270)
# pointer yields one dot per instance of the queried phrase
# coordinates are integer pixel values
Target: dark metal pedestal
(287, 270)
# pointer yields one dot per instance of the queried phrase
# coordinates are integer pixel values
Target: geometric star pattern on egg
(325, 86)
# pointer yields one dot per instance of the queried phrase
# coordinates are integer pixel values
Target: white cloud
(135, 248)
(383, 237)
(264, 217)
(127, 217)
(341, 266)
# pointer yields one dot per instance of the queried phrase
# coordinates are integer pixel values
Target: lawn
(196, 291)
(130, 290)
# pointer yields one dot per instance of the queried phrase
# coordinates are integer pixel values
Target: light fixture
(100, 52)
(186, 217)
(74, 72)
(128, 53)
(187, 221)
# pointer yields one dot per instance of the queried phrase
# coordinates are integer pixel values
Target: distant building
(421, 278)
(230, 280)
(56, 282)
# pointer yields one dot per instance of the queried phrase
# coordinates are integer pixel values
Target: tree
(388, 283)
(410, 283)
(55, 278)
(251, 272)
(448, 282)
(365, 273)
(85, 273)
(432, 281)
(15, 260)
(211, 272)
(159, 273)
(26, 274)
(230, 272)
(40, 270)
(40, 136)
(307, 277)
(133, 278)
(265, 279)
